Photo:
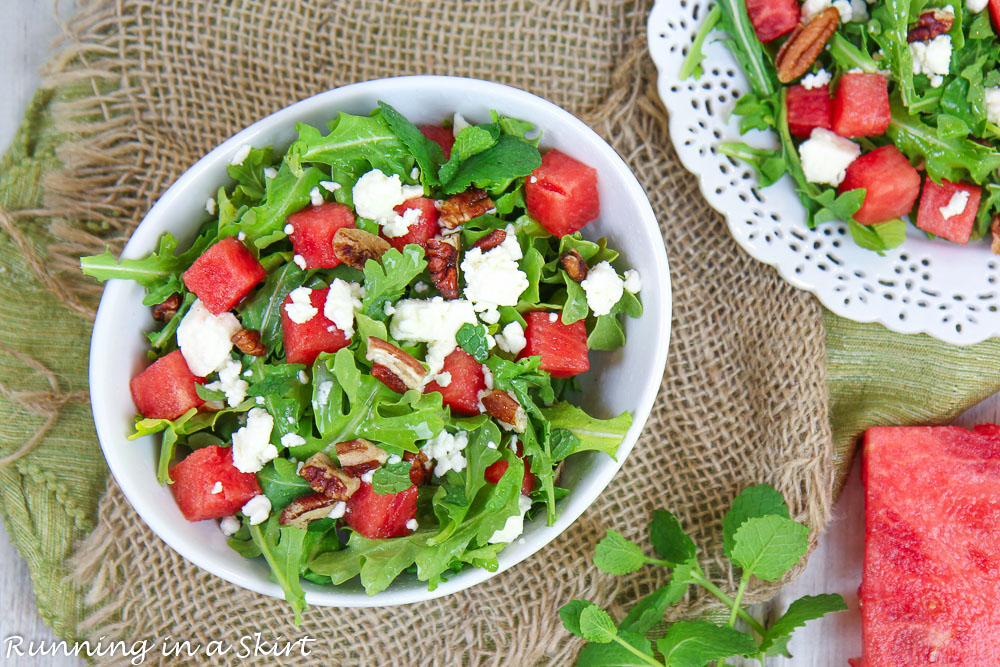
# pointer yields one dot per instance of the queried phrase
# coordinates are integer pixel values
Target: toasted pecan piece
(465, 206)
(442, 264)
(420, 468)
(575, 267)
(358, 456)
(247, 341)
(491, 240)
(401, 364)
(932, 23)
(165, 311)
(805, 43)
(505, 409)
(305, 509)
(388, 378)
(354, 247)
(326, 478)
(995, 232)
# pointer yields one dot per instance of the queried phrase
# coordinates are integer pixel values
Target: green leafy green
(746, 48)
(282, 548)
(768, 546)
(472, 339)
(603, 435)
(616, 555)
(426, 152)
(799, 612)
(262, 310)
(878, 237)
(650, 610)
(354, 145)
(470, 141)
(386, 281)
(751, 503)
(695, 56)
(287, 193)
(769, 163)
(952, 158)
(509, 158)
(596, 625)
(392, 478)
(281, 484)
(669, 539)
(693, 643)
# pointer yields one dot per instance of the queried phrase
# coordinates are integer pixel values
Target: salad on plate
(365, 363)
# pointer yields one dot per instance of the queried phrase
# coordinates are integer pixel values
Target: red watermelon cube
(561, 194)
(378, 516)
(224, 274)
(444, 137)
(304, 341)
(165, 390)
(958, 227)
(930, 591)
(994, 6)
(562, 347)
(421, 231)
(196, 477)
(808, 109)
(467, 380)
(313, 229)
(892, 185)
(861, 105)
(773, 18)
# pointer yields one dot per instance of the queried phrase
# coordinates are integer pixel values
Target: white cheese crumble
(633, 281)
(248, 373)
(258, 509)
(412, 525)
(993, 105)
(817, 80)
(323, 392)
(432, 321)
(810, 8)
(487, 377)
(303, 378)
(376, 195)
(415, 173)
(289, 229)
(330, 186)
(932, 58)
(511, 339)
(443, 379)
(301, 310)
(290, 440)
(368, 476)
(342, 302)
(252, 446)
(399, 225)
(241, 236)
(259, 400)
(515, 524)
(458, 123)
(300, 261)
(316, 197)
(337, 510)
(206, 339)
(553, 317)
(394, 459)
(229, 382)
(270, 172)
(422, 287)
(241, 154)
(493, 278)
(603, 287)
(533, 179)
(825, 156)
(956, 205)
(859, 11)
(210, 206)
(217, 489)
(229, 525)
(491, 445)
(976, 6)
(446, 450)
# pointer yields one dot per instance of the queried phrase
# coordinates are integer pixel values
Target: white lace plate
(934, 287)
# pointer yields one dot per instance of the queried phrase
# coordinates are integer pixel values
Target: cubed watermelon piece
(165, 390)
(467, 380)
(773, 18)
(378, 516)
(808, 109)
(224, 274)
(957, 228)
(313, 230)
(562, 347)
(861, 105)
(892, 185)
(304, 342)
(561, 194)
(444, 137)
(930, 592)
(423, 230)
(196, 476)
(994, 6)
(495, 471)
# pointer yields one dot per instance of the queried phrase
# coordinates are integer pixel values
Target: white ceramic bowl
(625, 380)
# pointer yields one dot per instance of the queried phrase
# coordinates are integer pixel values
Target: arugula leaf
(596, 625)
(509, 158)
(392, 478)
(669, 539)
(575, 308)
(282, 548)
(472, 339)
(603, 435)
(742, 41)
(378, 562)
(281, 484)
(695, 56)
(841, 207)
(768, 163)
(150, 271)
(427, 153)
(879, 237)
(849, 56)
(287, 193)
(616, 555)
(752, 502)
(262, 311)
(387, 280)
(165, 336)
(894, 18)
(799, 612)
(693, 643)
(453, 501)
(988, 206)
(354, 145)
(249, 176)
(768, 546)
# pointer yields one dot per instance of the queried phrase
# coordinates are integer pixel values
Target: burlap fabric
(141, 88)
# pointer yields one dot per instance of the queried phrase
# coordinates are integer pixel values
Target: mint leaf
(472, 339)
(603, 435)
(570, 615)
(879, 237)
(422, 148)
(753, 501)
(769, 546)
(694, 643)
(799, 612)
(470, 141)
(669, 539)
(616, 655)
(392, 478)
(508, 159)
(596, 625)
(651, 609)
(386, 280)
(617, 555)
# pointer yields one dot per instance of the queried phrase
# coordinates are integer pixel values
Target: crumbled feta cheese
(817, 80)
(241, 154)
(252, 446)
(956, 205)
(338, 510)
(446, 450)
(633, 281)
(206, 339)
(515, 524)
(342, 302)
(421, 287)
(368, 476)
(932, 58)
(487, 377)
(290, 440)
(323, 392)
(258, 509)
(603, 287)
(493, 278)
(993, 105)
(229, 525)
(511, 339)
(289, 230)
(432, 321)
(553, 317)
(316, 197)
(415, 173)
(412, 525)
(298, 466)
(270, 172)
(394, 459)
(443, 379)
(229, 382)
(301, 310)
(399, 225)
(533, 179)
(248, 373)
(811, 8)
(825, 156)
(976, 6)
(300, 261)
(458, 123)
(241, 236)
(859, 11)
(303, 378)
(491, 445)
(330, 186)
(210, 206)
(376, 195)
(259, 400)
(217, 489)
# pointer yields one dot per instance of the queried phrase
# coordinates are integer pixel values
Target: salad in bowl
(368, 361)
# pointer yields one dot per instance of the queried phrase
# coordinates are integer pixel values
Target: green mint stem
(739, 600)
(700, 579)
(649, 660)
(693, 61)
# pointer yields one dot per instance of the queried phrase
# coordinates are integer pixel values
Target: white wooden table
(25, 39)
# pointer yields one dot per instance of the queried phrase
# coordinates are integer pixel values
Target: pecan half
(575, 267)
(491, 240)
(504, 408)
(799, 52)
(995, 232)
(404, 366)
(354, 247)
(420, 467)
(165, 311)
(465, 206)
(358, 456)
(442, 264)
(326, 478)
(248, 342)
(931, 23)
(388, 378)
(305, 509)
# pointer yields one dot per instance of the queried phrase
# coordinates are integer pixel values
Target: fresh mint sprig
(759, 537)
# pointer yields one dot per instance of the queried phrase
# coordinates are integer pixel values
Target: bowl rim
(109, 436)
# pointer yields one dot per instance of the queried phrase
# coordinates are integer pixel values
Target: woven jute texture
(156, 84)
